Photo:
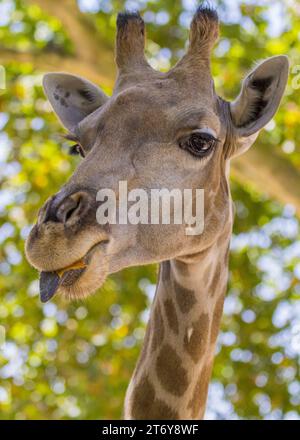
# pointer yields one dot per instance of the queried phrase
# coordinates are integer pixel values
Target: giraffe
(157, 130)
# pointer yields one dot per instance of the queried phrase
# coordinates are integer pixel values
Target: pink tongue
(49, 282)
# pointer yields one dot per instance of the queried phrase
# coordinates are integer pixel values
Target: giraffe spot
(172, 102)
(86, 94)
(157, 328)
(170, 372)
(166, 269)
(215, 326)
(63, 102)
(162, 411)
(198, 400)
(196, 340)
(171, 315)
(146, 407)
(215, 281)
(182, 268)
(185, 297)
(145, 348)
(207, 276)
(226, 257)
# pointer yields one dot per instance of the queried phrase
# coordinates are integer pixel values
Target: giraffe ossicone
(157, 130)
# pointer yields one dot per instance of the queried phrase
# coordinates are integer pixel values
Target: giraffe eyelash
(70, 137)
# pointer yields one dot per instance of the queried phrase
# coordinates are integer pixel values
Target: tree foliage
(63, 360)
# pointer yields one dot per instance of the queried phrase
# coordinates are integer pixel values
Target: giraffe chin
(76, 283)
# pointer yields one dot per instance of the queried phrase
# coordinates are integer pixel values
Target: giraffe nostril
(69, 209)
(72, 208)
(69, 214)
(66, 208)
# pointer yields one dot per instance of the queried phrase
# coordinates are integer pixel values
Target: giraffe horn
(204, 32)
(130, 42)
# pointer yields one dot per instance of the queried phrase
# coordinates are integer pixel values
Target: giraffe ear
(72, 97)
(259, 99)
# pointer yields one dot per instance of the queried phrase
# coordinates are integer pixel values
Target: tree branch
(50, 61)
(88, 47)
(270, 173)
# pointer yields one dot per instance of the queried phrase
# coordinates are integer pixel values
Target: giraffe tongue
(49, 282)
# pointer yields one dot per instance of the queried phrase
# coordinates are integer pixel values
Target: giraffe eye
(199, 144)
(76, 150)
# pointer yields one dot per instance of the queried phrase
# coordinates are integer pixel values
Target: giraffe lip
(66, 277)
(69, 277)
(51, 281)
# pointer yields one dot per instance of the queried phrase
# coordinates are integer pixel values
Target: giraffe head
(157, 130)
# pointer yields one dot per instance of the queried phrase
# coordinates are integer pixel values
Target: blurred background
(74, 361)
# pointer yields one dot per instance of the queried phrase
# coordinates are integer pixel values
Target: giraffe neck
(172, 375)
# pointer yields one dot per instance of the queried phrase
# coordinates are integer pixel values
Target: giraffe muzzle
(50, 282)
